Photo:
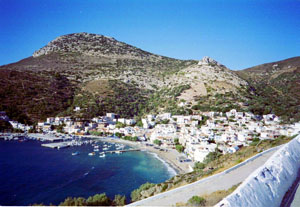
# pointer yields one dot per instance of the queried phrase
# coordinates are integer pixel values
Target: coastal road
(220, 181)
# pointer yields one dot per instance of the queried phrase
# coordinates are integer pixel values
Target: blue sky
(237, 33)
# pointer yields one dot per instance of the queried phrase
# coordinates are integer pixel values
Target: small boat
(119, 148)
(92, 153)
(105, 148)
(96, 147)
(75, 153)
(96, 150)
(102, 155)
(118, 152)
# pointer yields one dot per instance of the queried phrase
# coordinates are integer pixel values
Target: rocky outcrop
(209, 61)
(207, 77)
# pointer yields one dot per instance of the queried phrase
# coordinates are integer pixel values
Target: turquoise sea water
(31, 174)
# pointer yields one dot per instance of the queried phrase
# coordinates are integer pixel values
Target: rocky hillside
(275, 88)
(204, 86)
(207, 77)
(101, 74)
(94, 45)
(85, 57)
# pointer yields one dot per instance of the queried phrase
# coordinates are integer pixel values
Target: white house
(150, 117)
(111, 115)
(202, 150)
(122, 120)
(164, 131)
(130, 121)
(232, 149)
(50, 120)
(77, 108)
(164, 116)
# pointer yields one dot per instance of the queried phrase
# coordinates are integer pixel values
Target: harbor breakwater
(268, 184)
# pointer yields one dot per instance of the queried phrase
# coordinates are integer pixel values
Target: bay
(30, 173)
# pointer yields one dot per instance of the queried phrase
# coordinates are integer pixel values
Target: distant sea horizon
(33, 174)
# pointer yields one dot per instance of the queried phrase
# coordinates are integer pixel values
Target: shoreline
(168, 157)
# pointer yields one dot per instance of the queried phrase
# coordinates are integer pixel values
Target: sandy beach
(169, 157)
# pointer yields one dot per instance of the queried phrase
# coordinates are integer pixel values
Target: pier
(46, 137)
(58, 145)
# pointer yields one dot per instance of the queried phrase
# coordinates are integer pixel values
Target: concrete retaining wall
(268, 184)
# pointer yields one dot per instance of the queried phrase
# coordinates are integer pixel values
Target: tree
(165, 121)
(176, 141)
(68, 202)
(80, 201)
(98, 200)
(118, 134)
(199, 166)
(179, 148)
(119, 200)
(60, 128)
(212, 156)
(5, 126)
(120, 125)
(157, 141)
(133, 139)
(139, 123)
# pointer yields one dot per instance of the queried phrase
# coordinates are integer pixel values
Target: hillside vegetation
(103, 96)
(100, 74)
(274, 88)
(28, 96)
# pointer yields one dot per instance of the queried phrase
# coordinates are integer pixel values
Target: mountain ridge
(92, 44)
(100, 69)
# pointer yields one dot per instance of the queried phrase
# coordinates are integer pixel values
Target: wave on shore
(171, 170)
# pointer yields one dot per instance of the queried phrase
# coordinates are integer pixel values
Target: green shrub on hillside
(96, 200)
(119, 200)
(135, 195)
(196, 201)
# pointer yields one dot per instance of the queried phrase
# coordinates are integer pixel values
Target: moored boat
(92, 153)
(75, 153)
